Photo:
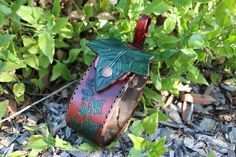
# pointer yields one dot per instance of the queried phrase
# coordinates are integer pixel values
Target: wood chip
(174, 115)
(184, 110)
(208, 124)
(189, 142)
(198, 98)
(169, 101)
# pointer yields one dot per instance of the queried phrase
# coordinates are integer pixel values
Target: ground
(198, 130)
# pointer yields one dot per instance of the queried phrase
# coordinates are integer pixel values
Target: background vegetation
(43, 45)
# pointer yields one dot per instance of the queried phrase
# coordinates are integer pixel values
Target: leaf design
(77, 125)
(96, 106)
(89, 127)
(121, 59)
(84, 110)
(90, 83)
(87, 93)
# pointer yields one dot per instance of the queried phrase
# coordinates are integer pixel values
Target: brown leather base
(123, 109)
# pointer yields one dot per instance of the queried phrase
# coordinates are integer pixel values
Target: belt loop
(141, 31)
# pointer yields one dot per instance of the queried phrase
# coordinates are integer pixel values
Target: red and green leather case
(107, 95)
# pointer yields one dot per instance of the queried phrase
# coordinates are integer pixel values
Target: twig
(37, 102)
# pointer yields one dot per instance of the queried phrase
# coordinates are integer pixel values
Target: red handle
(141, 31)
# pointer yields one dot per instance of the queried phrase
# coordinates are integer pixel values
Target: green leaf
(34, 153)
(7, 77)
(211, 154)
(3, 91)
(189, 52)
(30, 44)
(73, 54)
(150, 123)
(5, 40)
(223, 11)
(59, 24)
(156, 81)
(158, 7)
(60, 69)
(202, 1)
(43, 61)
(3, 108)
(31, 60)
(120, 60)
(196, 41)
(138, 142)
(67, 31)
(157, 148)
(18, 154)
(135, 153)
(153, 95)
(49, 139)
(37, 142)
(63, 145)
(7, 55)
(32, 128)
(162, 116)
(56, 7)
(18, 89)
(5, 10)
(10, 67)
(194, 75)
(30, 14)
(46, 44)
(169, 39)
(215, 78)
(1, 20)
(169, 24)
(96, 106)
(84, 110)
(137, 128)
(38, 83)
(87, 147)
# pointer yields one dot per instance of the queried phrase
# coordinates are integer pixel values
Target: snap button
(106, 71)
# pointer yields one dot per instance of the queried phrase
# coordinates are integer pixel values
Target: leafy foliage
(40, 142)
(143, 147)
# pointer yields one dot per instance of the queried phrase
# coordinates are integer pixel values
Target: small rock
(98, 154)
(174, 115)
(68, 132)
(64, 154)
(10, 149)
(65, 93)
(171, 153)
(22, 140)
(208, 124)
(79, 153)
(200, 145)
(57, 127)
(189, 142)
(78, 141)
(8, 140)
(31, 120)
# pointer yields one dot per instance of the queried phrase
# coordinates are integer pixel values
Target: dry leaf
(198, 98)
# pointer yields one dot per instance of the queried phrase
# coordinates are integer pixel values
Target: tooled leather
(82, 114)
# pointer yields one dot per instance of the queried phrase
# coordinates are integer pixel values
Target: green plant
(40, 142)
(143, 147)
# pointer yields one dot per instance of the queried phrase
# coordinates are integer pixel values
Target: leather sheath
(102, 115)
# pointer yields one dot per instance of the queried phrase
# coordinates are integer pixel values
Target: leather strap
(141, 31)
